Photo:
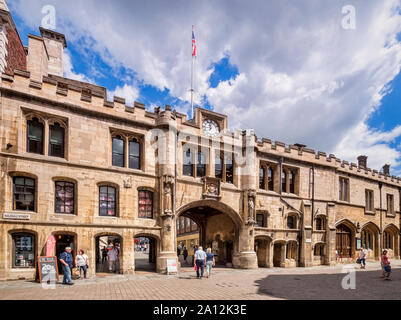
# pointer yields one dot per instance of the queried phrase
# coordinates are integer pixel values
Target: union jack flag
(193, 44)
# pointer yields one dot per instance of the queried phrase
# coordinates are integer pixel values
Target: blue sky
(288, 70)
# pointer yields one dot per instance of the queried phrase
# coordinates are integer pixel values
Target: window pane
(24, 251)
(35, 136)
(219, 167)
(24, 194)
(134, 155)
(201, 165)
(64, 201)
(145, 205)
(118, 152)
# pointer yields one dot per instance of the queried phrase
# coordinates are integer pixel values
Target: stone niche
(211, 188)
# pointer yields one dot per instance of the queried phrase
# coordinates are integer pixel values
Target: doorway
(104, 244)
(145, 254)
(63, 241)
(277, 251)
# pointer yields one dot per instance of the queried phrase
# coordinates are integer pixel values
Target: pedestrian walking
(386, 267)
(67, 261)
(113, 256)
(185, 254)
(81, 261)
(104, 254)
(200, 259)
(362, 258)
(210, 262)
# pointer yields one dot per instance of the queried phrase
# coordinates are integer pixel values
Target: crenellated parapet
(277, 149)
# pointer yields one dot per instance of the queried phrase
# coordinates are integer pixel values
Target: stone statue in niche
(251, 209)
(168, 197)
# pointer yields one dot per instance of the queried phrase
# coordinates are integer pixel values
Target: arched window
(188, 168)
(35, 133)
(291, 222)
(367, 240)
(64, 200)
(23, 253)
(262, 178)
(145, 209)
(292, 182)
(218, 167)
(284, 182)
(135, 154)
(56, 140)
(388, 240)
(270, 177)
(201, 165)
(23, 194)
(107, 201)
(118, 151)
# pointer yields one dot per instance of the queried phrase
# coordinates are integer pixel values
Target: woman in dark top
(210, 262)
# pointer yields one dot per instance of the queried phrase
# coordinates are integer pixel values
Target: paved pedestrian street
(226, 284)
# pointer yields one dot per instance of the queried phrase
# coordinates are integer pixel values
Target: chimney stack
(363, 162)
(386, 169)
(55, 43)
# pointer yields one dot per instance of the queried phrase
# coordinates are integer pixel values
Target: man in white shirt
(113, 256)
(200, 260)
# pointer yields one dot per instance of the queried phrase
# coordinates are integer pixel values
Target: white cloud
(302, 77)
(69, 69)
(363, 141)
(129, 92)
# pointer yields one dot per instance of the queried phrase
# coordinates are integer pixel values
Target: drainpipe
(381, 217)
(313, 193)
(281, 177)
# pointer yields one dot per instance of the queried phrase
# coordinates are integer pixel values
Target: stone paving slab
(321, 282)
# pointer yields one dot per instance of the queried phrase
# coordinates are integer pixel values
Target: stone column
(247, 255)
(283, 255)
(168, 225)
(127, 261)
(306, 231)
(330, 257)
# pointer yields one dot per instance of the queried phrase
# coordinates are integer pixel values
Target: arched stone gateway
(390, 241)
(345, 239)
(222, 229)
(370, 240)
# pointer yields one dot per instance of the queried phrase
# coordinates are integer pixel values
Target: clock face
(210, 128)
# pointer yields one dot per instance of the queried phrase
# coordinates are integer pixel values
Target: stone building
(79, 167)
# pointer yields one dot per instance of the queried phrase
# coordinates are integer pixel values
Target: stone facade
(277, 205)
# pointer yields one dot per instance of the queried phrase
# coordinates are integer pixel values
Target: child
(386, 267)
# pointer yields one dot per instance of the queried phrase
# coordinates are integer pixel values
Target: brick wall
(16, 58)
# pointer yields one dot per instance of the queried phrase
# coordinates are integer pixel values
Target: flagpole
(192, 80)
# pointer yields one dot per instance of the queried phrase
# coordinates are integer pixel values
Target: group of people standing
(81, 262)
(385, 263)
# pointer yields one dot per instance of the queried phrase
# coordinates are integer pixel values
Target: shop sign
(17, 216)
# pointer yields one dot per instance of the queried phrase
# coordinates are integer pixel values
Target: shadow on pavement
(368, 286)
